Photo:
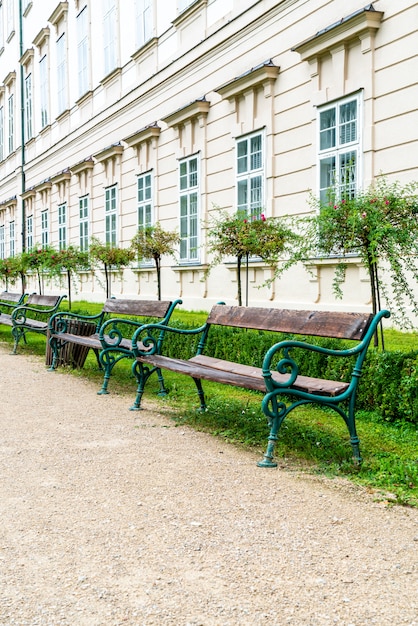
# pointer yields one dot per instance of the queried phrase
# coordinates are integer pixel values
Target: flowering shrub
(379, 224)
(152, 242)
(69, 260)
(110, 257)
(244, 237)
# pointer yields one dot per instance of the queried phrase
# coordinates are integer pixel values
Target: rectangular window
(11, 238)
(339, 149)
(29, 232)
(82, 52)
(62, 226)
(2, 244)
(250, 175)
(62, 73)
(28, 108)
(111, 215)
(44, 91)
(10, 17)
(1, 133)
(109, 35)
(1, 26)
(144, 21)
(11, 111)
(83, 208)
(44, 229)
(189, 208)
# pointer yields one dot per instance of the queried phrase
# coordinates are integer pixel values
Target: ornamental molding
(198, 109)
(145, 134)
(263, 75)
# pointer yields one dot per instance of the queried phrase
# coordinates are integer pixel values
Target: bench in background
(31, 317)
(278, 377)
(108, 334)
(10, 300)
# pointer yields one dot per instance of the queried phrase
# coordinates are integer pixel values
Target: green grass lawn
(311, 439)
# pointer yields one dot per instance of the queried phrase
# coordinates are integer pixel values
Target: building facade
(115, 114)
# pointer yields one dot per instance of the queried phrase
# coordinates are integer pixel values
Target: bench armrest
(148, 338)
(58, 322)
(22, 313)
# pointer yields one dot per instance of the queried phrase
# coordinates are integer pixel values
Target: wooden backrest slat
(9, 296)
(146, 308)
(41, 300)
(340, 325)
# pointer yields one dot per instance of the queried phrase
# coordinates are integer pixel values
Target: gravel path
(112, 518)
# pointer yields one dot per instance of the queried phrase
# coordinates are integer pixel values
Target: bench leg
(142, 373)
(200, 393)
(350, 420)
(17, 333)
(275, 415)
(55, 354)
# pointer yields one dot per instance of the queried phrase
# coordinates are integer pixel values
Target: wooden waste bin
(72, 354)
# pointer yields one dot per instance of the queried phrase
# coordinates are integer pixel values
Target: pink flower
(263, 217)
(364, 214)
(387, 202)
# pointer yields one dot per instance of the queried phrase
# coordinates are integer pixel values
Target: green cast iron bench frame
(285, 387)
(106, 333)
(31, 317)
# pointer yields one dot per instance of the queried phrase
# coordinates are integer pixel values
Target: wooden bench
(278, 377)
(107, 333)
(31, 317)
(10, 300)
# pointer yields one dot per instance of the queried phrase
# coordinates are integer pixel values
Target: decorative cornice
(59, 13)
(87, 164)
(43, 185)
(263, 75)
(151, 44)
(61, 176)
(29, 193)
(149, 132)
(27, 57)
(188, 12)
(199, 109)
(41, 37)
(9, 202)
(109, 152)
(358, 25)
(10, 78)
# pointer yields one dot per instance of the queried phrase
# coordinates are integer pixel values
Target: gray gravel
(110, 517)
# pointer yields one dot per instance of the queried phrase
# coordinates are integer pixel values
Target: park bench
(31, 317)
(279, 377)
(108, 333)
(10, 300)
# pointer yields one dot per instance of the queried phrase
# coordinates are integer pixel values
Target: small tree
(37, 260)
(69, 260)
(243, 237)
(111, 258)
(152, 242)
(8, 271)
(380, 225)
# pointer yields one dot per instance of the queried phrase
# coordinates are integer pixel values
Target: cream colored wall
(205, 49)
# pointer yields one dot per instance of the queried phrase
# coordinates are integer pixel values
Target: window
(44, 91)
(250, 175)
(29, 232)
(83, 207)
(189, 198)
(10, 25)
(144, 21)
(62, 226)
(11, 111)
(144, 186)
(44, 229)
(1, 134)
(339, 148)
(111, 215)
(82, 52)
(1, 26)
(28, 107)
(11, 238)
(62, 74)
(2, 248)
(109, 35)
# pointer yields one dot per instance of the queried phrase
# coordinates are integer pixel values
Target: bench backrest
(9, 296)
(339, 325)
(48, 302)
(142, 308)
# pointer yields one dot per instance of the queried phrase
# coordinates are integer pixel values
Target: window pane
(242, 150)
(327, 176)
(348, 122)
(256, 154)
(327, 136)
(348, 174)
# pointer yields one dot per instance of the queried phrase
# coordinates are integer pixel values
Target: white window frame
(189, 200)
(12, 235)
(109, 35)
(62, 226)
(111, 215)
(250, 174)
(10, 25)
(11, 124)
(44, 90)
(28, 107)
(145, 204)
(83, 51)
(2, 243)
(29, 232)
(144, 21)
(44, 228)
(84, 226)
(1, 26)
(1, 133)
(339, 147)
(62, 73)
